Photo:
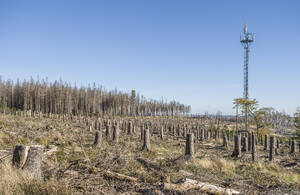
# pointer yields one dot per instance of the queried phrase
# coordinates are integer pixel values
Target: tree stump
(205, 134)
(98, 139)
(107, 132)
(178, 131)
(29, 159)
(266, 142)
(225, 141)
(201, 135)
(216, 134)
(250, 140)
(237, 146)
(142, 132)
(292, 146)
(20, 155)
(271, 154)
(146, 145)
(208, 134)
(162, 133)
(276, 145)
(116, 134)
(244, 142)
(253, 147)
(129, 132)
(189, 145)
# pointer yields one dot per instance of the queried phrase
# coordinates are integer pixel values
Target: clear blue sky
(183, 50)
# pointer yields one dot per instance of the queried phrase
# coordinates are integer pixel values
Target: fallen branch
(151, 165)
(189, 184)
(119, 176)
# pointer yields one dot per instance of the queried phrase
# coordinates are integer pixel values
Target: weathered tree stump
(208, 134)
(189, 145)
(178, 131)
(266, 142)
(107, 132)
(173, 131)
(162, 132)
(253, 147)
(244, 142)
(225, 140)
(216, 134)
(146, 145)
(29, 159)
(292, 146)
(276, 145)
(20, 155)
(237, 146)
(250, 142)
(98, 139)
(142, 132)
(116, 134)
(271, 154)
(129, 131)
(184, 132)
(201, 135)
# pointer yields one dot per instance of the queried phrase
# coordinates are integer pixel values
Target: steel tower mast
(246, 39)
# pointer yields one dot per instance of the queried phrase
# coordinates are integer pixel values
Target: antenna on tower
(245, 28)
(246, 40)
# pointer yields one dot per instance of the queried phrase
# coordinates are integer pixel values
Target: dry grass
(277, 171)
(217, 164)
(15, 181)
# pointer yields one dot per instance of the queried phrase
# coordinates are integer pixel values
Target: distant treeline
(59, 97)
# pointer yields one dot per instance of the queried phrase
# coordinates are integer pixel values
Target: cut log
(189, 184)
(119, 176)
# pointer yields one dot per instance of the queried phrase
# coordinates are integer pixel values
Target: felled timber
(189, 184)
